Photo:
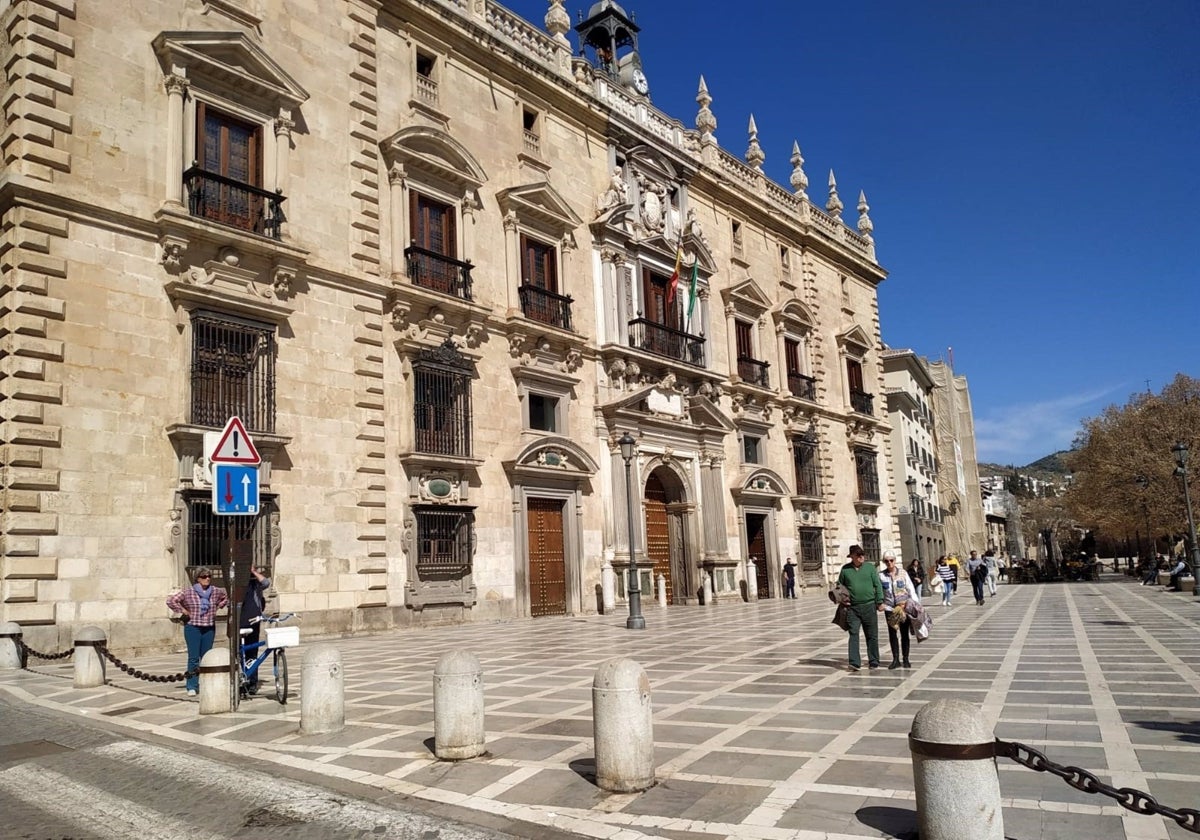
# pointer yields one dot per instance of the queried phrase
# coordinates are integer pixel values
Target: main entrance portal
(547, 561)
(756, 550)
(658, 532)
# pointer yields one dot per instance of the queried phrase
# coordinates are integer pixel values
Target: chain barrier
(142, 675)
(1080, 779)
(26, 650)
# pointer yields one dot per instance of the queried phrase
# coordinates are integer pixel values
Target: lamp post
(635, 621)
(1181, 452)
(911, 484)
(1143, 482)
(929, 501)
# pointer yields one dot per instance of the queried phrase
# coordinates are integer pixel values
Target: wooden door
(756, 548)
(547, 561)
(658, 534)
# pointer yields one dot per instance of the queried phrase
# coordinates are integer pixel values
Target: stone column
(712, 492)
(623, 727)
(396, 186)
(323, 700)
(176, 84)
(458, 707)
(283, 148)
(512, 254)
(731, 340)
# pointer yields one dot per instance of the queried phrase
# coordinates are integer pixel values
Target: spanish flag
(674, 284)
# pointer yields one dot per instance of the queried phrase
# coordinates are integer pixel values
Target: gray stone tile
(781, 739)
(679, 799)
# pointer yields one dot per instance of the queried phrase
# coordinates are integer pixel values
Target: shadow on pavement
(898, 823)
(836, 664)
(1189, 732)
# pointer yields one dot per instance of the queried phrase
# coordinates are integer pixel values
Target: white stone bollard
(216, 696)
(323, 701)
(608, 587)
(622, 727)
(89, 664)
(458, 731)
(751, 582)
(954, 768)
(708, 589)
(662, 590)
(11, 658)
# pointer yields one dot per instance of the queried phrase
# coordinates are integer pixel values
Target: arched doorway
(666, 532)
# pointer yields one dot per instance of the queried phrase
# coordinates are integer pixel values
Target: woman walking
(947, 575)
(898, 590)
(198, 605)
(917, 575)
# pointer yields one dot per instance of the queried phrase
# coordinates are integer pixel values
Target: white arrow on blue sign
(235, 490)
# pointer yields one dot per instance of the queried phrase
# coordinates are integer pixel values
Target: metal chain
(39, 655)
(142, 675)
(1080, 779)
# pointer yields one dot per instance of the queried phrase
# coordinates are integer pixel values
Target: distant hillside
(1045, 469)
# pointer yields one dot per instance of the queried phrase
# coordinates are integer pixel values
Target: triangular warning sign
(235, 446)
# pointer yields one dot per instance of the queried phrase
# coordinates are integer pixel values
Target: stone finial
(799, 180)
(706, 122)
(865, 225)
(558, 23)
(834, 204)
(755, 155)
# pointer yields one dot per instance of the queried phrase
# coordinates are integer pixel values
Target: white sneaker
(191, 692)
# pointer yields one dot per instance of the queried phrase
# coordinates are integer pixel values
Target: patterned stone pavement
(760, 731)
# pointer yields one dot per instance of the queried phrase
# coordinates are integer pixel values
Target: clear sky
(1033, 172)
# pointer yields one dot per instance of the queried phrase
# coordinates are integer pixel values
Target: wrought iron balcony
(868, 487)
(539, 304)
(431, 270)
(803, 387)
(753, 371)
(862, 402)
(665, 341)
(234, 203)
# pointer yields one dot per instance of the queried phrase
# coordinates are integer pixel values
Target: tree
(1124, 468)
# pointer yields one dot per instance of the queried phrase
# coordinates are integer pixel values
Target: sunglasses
(202, 577)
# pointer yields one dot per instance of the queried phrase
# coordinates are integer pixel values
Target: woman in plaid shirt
(199, 606)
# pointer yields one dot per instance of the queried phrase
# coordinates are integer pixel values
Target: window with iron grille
(442, 401)
(868, 478)
(233, 372)
(445, 542)
(207, 534)
(808, 476)
(870, 545)
(812, 549)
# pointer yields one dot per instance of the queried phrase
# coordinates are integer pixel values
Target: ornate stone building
(958, 467)
(424, 250)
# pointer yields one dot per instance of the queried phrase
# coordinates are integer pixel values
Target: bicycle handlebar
(273, 619)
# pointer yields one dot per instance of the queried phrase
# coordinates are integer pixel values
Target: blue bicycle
(274, 646)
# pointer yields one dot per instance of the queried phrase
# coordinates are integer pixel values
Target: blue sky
(1031, 169)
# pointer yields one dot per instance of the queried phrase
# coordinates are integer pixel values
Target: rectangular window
(812, 550)
(233, 372)
(745, 341)
(808, 476)
(868, 478)
(870, 544)
(207, 535)
(751, 449)
(432, 225)
(225, 185)
(532, 132)
(658, 311)
(543, 412)
(539, 264)
(442, 409)
(445, 542)
(432, 259)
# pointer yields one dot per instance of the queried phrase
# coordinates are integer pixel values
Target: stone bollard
(662, 590)
(1164, 578)
(1187, 584)
(751, 582)
(323, 701)
(458, 707)
(954, 768)
(708, 590)
(623, 727)
(11, 654)
(216, 696)
(608, 587)
(89, 664)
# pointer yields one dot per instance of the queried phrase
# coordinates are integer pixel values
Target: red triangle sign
(235, 446)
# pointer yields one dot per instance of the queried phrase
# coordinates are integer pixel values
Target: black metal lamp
(636, 621)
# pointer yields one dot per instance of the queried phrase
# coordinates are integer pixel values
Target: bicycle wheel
(279, 665)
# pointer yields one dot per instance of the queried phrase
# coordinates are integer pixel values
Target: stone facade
(423, 252)
(958, 466)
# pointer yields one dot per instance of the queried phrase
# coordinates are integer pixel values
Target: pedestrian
(917, 575)
(1151, 576)
(789, 579)
(993, 570)
(253, 604)
(198, 606)
(1179, 570)
(947, 575)
(861, 579)
(976, 572)
(898, 590)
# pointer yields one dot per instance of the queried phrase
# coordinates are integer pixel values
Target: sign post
(235, 463)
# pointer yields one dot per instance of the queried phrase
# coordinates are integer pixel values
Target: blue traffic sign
(235, 490)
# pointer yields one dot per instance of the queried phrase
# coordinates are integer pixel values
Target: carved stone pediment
(229, 60)
(747, 297)
(855, 340)
(422, 318)
(759, 484)
(552, 457)
(256, 288)
(542, 203)
(434, 153)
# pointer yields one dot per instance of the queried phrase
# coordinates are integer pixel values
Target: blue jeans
(199, 642)
(947, 591)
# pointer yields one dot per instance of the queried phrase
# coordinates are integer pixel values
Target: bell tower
(608, 38)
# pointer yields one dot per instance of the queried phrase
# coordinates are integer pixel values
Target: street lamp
(1143, 482)
(635, 621)
(1181, 452)
(911, 484)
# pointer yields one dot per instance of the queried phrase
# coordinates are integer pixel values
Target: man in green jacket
(866, 602)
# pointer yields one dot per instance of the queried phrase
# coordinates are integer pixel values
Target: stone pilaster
(370, 481)
(712, 494)
(364, 137)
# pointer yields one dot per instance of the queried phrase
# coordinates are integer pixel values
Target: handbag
(922, 632)
(937, 584)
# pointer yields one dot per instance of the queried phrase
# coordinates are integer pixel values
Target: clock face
(640, 84)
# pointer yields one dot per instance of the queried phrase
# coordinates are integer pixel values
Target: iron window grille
(870, 545)
(812, 550)
(868, 478)
(445, 542)
(233, 372)
(808, 476)
(207, 533)
(442, 401)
